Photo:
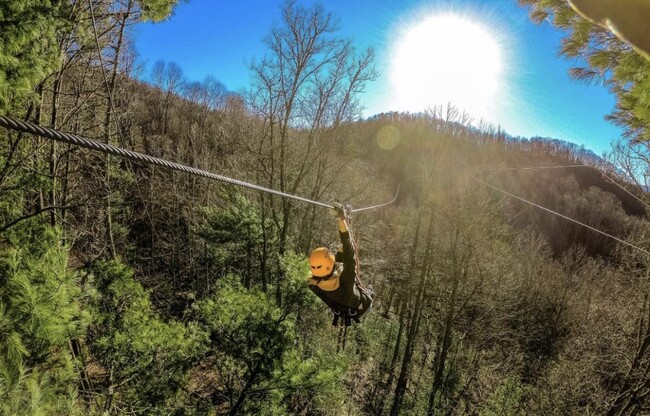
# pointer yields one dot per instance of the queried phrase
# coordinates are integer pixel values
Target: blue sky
(221, 38)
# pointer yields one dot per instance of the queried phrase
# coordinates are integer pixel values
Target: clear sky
(534, 95)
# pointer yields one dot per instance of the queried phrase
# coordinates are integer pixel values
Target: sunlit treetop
(157, 10)
(604, 58)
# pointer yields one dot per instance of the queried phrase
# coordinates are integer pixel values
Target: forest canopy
(126, 288)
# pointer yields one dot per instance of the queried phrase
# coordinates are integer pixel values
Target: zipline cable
(559, 215)
(27, 127)
(76, 140)
(566, 166)
(623, 188)
(547, 209)
(380, 205)
(532, 168)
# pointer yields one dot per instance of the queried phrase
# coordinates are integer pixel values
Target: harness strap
(345, 315)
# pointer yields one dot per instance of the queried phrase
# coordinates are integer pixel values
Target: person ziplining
(339, 286)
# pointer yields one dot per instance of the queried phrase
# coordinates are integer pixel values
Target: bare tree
(303, 90)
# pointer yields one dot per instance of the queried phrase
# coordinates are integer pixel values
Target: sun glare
(446, 59)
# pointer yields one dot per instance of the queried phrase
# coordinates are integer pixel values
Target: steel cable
(609, 178)
(550, 211)
(76, 140)
(560, 215)
(26, 127)
(378, 206)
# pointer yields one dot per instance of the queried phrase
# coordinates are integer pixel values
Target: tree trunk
(400, 389)
(286, 216)
(440, 360)
(393, 363)
(52, 163)
(111, 392)
(110, 87)
(244, 393)
(265, 244)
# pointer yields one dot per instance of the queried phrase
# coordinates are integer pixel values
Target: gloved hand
(339, 210)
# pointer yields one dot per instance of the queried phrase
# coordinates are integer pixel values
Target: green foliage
(28, 45)
(505, 401)
(311, 382)
(266, 363)
(12, 203)
(157, 10)
(144, 357)
(233, 236)
(296, 297)
(40, 311)
(249, 335)
(624, 70)
(19, 175)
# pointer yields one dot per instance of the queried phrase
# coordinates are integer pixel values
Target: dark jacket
(348, 294)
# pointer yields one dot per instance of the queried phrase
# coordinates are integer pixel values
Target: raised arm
(349, 257)
(348, 243)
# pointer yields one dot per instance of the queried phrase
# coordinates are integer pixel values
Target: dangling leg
(345, 336)
(340, 344)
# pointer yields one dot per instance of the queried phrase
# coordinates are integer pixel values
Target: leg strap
(345, 316)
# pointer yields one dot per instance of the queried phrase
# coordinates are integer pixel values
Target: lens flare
(388, 137)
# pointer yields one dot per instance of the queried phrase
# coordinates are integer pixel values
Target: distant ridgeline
(545, 171)
(580, 152)
(587, 177)
(129, 288)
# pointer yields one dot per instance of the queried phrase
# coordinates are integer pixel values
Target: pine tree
(28, 45)
(143, 358)
(607, 59)
(40, 312)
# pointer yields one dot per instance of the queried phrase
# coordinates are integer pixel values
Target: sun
(445, 59)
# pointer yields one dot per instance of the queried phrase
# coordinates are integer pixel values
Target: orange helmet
(321, 262)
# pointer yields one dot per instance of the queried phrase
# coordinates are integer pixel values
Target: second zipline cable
(547, 209)
(560, 215)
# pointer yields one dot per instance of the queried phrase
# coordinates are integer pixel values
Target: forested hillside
(131, 289)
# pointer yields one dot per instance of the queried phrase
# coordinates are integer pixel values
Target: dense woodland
(129, 289)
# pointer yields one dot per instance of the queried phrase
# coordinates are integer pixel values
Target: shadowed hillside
(128, 288)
